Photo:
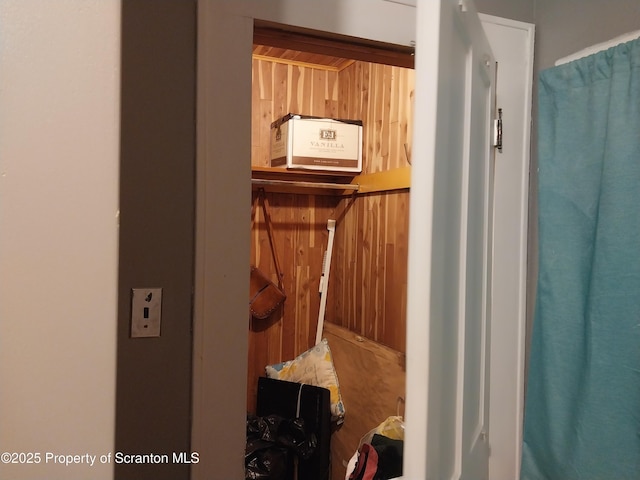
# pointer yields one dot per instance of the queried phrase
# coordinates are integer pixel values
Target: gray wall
(157, 197)
(521, 10)
(157, 191)
(566, 26)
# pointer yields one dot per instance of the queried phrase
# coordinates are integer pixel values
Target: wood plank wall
(368, 284)
(367, 290)
(382, 97)
(368, 296)
(279, 89)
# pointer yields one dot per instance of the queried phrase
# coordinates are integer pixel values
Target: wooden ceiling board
(295, 57)
(325, 52)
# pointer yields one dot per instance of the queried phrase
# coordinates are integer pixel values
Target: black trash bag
(267, 464)
(272, 442)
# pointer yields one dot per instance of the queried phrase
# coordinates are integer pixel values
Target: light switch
(146, 312)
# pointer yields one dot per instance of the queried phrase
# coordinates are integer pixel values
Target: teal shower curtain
(582, 414)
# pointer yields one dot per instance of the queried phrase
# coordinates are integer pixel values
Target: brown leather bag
(264, 295)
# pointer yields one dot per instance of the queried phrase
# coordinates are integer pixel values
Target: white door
(450, 246)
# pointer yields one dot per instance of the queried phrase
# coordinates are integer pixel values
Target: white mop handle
(324, 279)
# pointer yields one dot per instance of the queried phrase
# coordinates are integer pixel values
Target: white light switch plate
(146, 312)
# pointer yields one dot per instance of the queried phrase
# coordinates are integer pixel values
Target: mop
(324, 279)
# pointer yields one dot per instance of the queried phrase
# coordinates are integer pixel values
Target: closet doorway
(223, 246)
(312, 73)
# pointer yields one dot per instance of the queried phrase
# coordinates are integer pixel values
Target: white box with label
(315, 143)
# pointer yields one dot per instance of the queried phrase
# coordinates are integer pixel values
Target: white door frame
(222, 241)
(512, 43)
(223, 169)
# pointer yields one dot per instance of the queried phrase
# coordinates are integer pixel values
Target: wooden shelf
(314, 182)
(390, 180)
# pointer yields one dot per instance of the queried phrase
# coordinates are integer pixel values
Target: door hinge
(497, 131)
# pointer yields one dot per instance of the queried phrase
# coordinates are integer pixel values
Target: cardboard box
(315, 143)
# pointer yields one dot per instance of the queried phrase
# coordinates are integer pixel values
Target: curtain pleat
(582, 414)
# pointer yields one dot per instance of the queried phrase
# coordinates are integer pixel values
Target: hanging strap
(267, 220)
(253, 212)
